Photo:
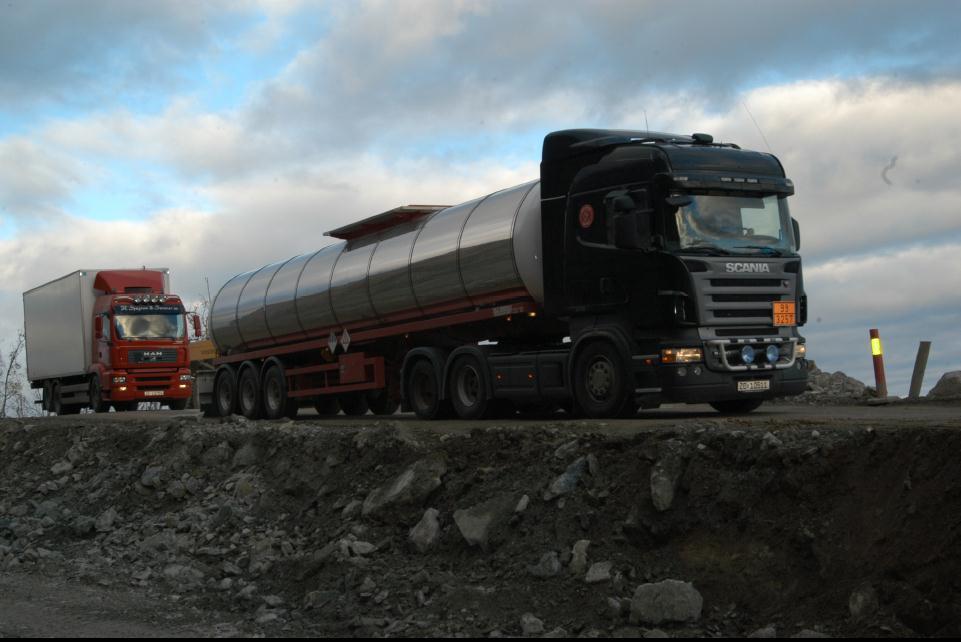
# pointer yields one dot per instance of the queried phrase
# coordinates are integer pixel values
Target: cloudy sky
(213, 137)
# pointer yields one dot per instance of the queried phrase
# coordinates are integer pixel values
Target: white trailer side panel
(57, 321)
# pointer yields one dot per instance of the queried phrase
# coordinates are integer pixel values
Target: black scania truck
(676, 258)
(642, 268)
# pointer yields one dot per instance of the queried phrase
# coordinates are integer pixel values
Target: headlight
(772, 353)
(682, 355)
(800, 351)
(120, 379)
(185, 377)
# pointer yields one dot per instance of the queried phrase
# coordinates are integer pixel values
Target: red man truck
(101, 338)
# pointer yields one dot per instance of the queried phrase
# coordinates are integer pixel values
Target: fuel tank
(386, 266)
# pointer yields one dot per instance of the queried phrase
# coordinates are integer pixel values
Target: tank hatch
(384, 221)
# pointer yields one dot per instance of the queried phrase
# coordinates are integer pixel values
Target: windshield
(729, 224)
(149, 326)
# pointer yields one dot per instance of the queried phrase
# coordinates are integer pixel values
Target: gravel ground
(697, 527)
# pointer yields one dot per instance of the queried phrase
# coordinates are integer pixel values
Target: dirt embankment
(715, 528)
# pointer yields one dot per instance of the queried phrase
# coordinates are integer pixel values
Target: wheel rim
(468, 386)
(600, 379)
(248, 393)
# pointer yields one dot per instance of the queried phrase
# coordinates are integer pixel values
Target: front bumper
(695, 383)
(151, 385)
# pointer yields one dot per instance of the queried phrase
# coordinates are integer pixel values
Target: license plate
(753, 386)
(153, 393)
(784, 313)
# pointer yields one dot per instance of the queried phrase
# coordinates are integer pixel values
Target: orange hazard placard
(784, 313)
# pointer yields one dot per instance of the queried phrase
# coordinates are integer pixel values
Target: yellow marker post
(877, 353)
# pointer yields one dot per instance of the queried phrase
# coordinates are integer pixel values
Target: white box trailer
(58, 324)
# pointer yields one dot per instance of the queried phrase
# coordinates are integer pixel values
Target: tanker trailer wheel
(225, 392)
(326, 405)
(97, 404)
(276, 402)
(736, 406)
(353, 404)
(381, 402)
(424, 392)
(468, 388)
(249, 397)
(602, 382)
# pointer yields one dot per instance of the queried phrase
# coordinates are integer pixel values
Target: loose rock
(666, 601)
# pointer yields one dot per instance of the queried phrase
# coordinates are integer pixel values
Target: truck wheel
(276, 402)
(225, 393)
(737, 406)
(52, 401)
(424, 392)
(326, 405)
(178, 404)
(381, 403)
(468, 392)
(602, 382)
(249, 394)
(70, 409)
(353, 404)
(97, 403)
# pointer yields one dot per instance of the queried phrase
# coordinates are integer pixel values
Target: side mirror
(98, 326)
(797, 233)
(196, 319)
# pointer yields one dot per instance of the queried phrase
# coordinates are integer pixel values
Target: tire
(467, 388)
(276, 403)
(225, 393)
(354, 404)
(327, 405)
(602, 382)
(382, 403)
(54, 405)
(424, 392)
(47, 396)
(97, 403)
(71, 409)
(736, 406)
(249, 393)
(178, 404)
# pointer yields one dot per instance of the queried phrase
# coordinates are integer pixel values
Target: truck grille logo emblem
(748, 267)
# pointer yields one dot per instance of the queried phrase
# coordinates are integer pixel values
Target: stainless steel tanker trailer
(642, 268)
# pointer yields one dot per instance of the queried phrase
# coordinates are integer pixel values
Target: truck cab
(102, 338)
(683, 252)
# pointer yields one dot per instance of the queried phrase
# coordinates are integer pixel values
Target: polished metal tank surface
(478, 248)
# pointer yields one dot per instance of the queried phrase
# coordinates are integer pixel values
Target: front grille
(744, 298)
(730, 299)
(745, 283)
(742, 314)
(153, 356)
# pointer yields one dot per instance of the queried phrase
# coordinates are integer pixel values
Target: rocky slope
(711, 528)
